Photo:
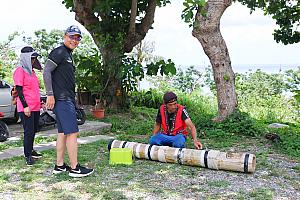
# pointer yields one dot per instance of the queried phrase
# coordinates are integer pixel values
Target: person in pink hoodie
(28, 100)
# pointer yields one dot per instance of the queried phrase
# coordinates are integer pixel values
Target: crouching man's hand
(197, 144)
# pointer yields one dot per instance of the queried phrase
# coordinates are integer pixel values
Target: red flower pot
(99, 113)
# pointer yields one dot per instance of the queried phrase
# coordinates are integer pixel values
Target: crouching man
(173, 119)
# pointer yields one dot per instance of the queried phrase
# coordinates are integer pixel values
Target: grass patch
(143, 179)
(297, 168)
(218, 183)
(10, 144)
(261, 193)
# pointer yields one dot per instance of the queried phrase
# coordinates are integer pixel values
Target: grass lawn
(143, 180)
(276, 175)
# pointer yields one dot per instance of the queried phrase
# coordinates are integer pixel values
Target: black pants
(31, 126)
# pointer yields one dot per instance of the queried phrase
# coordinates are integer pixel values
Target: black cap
(29, 49)
(73, 30)
(169, 97)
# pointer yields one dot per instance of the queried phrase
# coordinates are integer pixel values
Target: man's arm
(156, 128)
(49, 67)
(192, 128)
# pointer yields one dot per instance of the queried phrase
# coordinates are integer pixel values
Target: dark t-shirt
(170, 116)
(63, 77)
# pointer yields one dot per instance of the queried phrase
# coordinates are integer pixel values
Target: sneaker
(35, 154)
(29, 160)
(60, 169)
(80, 171)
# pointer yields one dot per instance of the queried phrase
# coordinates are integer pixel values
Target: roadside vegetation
(277, 169)
(154, 180)
(263, 99)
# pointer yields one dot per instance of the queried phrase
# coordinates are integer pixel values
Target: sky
(248, 37)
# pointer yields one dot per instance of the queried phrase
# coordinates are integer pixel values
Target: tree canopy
(125, 21)
(206, 28)
(8, 57)
(286, 13)
(117, 27)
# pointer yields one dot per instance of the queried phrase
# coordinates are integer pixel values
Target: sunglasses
(73, 37)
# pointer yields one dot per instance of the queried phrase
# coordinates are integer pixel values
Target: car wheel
(3, 132)
(81, 117)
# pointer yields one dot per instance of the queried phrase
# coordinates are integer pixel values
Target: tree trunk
(112, 66)
(207, 30)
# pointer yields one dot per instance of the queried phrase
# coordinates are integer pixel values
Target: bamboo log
(212, 159)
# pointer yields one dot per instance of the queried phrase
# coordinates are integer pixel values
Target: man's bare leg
(60, 148)
(72, 148)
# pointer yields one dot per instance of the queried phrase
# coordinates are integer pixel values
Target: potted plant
(100, 102)
(98, 110)
(90, 77)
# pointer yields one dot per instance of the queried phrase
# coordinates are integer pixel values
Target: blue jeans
(177, 141)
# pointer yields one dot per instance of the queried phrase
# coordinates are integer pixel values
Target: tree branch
(141, 29)
(84, 14)
(132, 17)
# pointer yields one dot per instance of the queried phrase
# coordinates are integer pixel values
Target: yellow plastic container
(120, 156)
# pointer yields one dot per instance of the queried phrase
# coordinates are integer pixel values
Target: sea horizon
(243, 68)
(268, 68)
(237, 68)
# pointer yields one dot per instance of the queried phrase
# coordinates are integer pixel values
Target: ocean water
(268, 68)
(241, 68)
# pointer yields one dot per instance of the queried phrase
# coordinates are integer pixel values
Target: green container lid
(120, 156)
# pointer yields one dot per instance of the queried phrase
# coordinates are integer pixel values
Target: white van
(6, 106)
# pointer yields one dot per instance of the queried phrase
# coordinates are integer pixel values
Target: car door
(5, 99)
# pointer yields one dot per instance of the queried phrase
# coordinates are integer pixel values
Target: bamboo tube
(212, 159)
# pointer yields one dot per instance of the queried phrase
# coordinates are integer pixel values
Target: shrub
(150, 99)
(290, 142)
(237, 123)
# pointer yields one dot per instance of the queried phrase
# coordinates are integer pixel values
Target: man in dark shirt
(59, 79)
(173, 119)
